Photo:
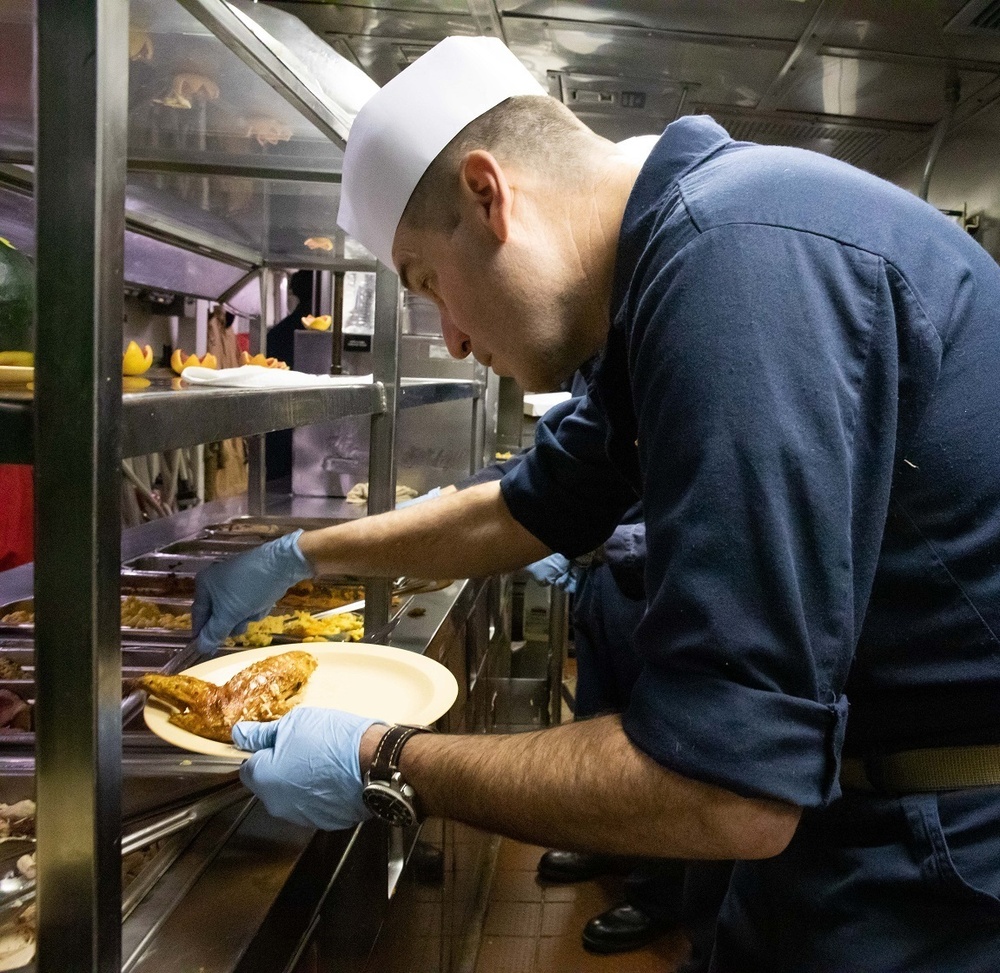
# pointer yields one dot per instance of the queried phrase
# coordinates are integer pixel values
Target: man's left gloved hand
(231, 593)
(429, 495)
(305, 766)
(556, 570)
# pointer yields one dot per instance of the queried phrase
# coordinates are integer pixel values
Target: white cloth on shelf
(259, 377)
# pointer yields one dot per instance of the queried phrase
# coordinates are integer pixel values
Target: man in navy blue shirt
(799, 378)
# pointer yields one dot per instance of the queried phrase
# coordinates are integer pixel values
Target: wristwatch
(385, 793)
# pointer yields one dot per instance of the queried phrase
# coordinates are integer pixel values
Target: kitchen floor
(535, 927)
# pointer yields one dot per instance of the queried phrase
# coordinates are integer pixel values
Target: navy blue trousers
(873, 885)
(604, 621)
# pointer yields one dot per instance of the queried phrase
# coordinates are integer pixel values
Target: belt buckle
(875, 771)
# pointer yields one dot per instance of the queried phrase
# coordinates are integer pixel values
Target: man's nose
(457, 341)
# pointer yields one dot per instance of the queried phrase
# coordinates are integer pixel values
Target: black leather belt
(922, 771)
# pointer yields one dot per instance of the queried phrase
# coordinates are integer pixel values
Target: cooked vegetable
(136, 360)
(179, 361)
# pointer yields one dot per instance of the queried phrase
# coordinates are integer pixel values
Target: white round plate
(18, 374)
(370, 680)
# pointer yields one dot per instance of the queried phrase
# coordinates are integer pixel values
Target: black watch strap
(385, 761)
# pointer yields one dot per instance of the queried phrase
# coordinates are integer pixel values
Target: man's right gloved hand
(556, 570)
(232, 593)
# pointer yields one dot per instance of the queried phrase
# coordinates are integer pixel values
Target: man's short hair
(532, 130)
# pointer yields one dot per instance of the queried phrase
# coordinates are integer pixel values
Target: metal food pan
(167, 587)
(174, 606)
(319, 594)
(213, 547)
(136, 654)
(157, 585)
(136, 661)
(158, 812)
(21, 605)
(267, 528)
(20, 651)
(183, 564)
(149, 783)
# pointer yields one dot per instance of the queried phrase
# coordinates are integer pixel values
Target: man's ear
(484, 186)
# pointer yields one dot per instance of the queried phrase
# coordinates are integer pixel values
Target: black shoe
(573, 866)
(620, 929)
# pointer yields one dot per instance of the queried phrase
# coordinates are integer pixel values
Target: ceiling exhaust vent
(879, 148)
(976, 17)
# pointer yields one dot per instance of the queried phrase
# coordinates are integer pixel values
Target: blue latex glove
(556, 570)
(231, 593)
(305, 766)
(429, 495)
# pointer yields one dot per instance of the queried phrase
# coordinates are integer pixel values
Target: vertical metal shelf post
(477, 447)
(382, 451)
(257, 445)
(82, 67)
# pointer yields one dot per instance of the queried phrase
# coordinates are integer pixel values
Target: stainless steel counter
(245, 892)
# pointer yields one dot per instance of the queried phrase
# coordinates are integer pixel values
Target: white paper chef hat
(403, 127)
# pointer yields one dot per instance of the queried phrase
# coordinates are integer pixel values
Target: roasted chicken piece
(262, 691)
(267, 130)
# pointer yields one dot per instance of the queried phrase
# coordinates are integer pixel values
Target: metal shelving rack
(76, 427)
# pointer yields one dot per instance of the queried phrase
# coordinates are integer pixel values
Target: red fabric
(243, 341)
(17, 499)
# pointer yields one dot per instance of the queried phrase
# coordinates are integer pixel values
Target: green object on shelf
(17, 299)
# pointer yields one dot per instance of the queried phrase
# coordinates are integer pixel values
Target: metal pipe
(337, 313)
(257, 445)
(382, 448)
(681, 103)
(558, 629)
(952, 95)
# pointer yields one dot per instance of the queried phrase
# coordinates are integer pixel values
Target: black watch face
(389, 805)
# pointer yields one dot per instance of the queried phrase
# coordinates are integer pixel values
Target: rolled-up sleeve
(566, 491)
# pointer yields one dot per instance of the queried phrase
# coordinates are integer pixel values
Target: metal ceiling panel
(892, 91)
(916, 28)
(976, 17)
(381, 7)
(380, 40)
(775, 19)
(728, 71)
